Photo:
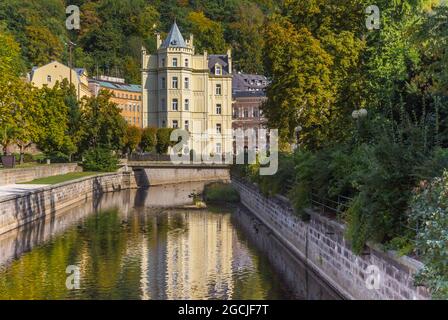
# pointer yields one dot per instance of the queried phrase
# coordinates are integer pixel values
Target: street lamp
(360, 114)
(297, 131)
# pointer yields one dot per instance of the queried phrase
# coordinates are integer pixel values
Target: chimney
(159, 41)
(229, 57)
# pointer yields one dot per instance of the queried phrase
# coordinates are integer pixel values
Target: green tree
(149, 139)
(247, 38)
(43, 46)
(163, 140)
(133, 138)
(209, 34)
(53, 122)
(101, 123)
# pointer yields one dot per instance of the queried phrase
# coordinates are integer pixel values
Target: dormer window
(218, 70)
(174, 62)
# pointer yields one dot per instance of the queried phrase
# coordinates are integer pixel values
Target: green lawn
(62, 178)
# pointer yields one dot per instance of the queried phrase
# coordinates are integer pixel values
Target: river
(140, 244)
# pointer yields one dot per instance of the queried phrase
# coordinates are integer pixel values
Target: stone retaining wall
(172, 175)
(18, 210)
(20, 175)
(320, 243)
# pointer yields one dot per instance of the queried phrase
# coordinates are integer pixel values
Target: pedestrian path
(18, 189)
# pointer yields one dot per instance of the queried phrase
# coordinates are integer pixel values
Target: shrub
(149, 139)
(163, 140)
(429, 211)
(100, 160)
(221, 192)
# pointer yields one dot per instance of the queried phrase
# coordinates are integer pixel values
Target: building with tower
(182, 89)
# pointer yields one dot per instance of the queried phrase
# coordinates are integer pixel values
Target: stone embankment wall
(20, 175)
(18, 210)
(164, 175)
(320, 243)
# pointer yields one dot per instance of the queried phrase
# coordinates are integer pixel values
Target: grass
(62, 178)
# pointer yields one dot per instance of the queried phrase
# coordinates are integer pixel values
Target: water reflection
(136, 245)
(128, 250)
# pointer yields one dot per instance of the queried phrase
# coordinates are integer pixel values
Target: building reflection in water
(136, 245)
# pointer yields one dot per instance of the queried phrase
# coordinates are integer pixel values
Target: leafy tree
(101, 123)
(247, 38)
(53, 120)
(163, 140)
(209, 34)
(133, 138)
(149, 139)
(301, 92)
(43, 46)
(100, 160)
(10, 56)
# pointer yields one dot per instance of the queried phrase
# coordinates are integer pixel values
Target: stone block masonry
(18, 210)
(320, 243)
(20, 175)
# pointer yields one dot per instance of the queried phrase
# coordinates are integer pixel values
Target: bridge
(154, 173)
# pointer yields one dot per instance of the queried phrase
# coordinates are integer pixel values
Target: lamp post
(297, 131)
(358, 115)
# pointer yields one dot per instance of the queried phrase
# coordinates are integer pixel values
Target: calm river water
(137, 245)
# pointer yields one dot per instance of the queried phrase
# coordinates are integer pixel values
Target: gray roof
(221, 59)
(174, 38)
(249, 82)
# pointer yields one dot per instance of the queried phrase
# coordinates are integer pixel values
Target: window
(162, 106)
(218, 128)
(174, 62)
(163, 83)
(187, 125)
(218, 70)
(163, 62)
(255, 113)
(218, 109)
(246, 113)
(175, 83)
(187, 63)
(187, 105)
(175, 105)
(187, 83)
(163, 124)
(218, 148)
(218, 89)
(48, 79)
(175, 124)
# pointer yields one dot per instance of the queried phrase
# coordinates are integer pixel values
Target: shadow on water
(132, 245)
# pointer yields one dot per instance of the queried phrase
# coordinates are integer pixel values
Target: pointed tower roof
(174, 38)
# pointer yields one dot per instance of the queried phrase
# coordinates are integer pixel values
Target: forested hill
(112, 31)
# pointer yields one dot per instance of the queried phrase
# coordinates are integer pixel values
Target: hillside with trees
(112, 32)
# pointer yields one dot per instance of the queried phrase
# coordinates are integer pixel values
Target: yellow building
(55, 71)
(184, 90)
(128, 97)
